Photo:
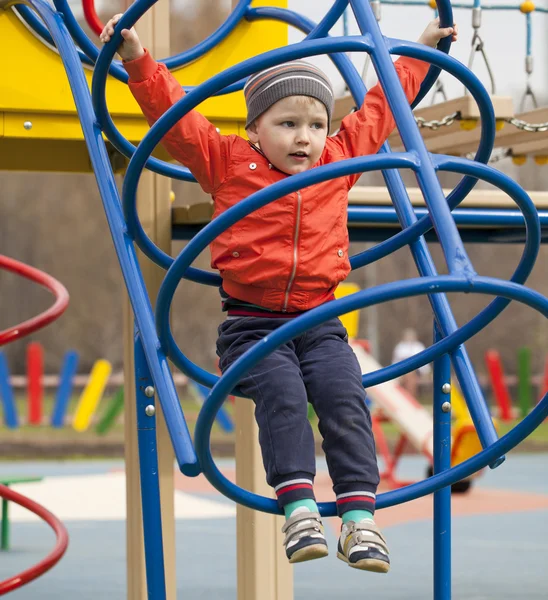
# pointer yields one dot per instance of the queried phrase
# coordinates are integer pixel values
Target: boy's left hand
(434, 33)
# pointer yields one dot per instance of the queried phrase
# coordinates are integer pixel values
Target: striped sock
(293, 490)
(359, 499)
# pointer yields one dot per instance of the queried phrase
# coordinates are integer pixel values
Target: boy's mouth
(299, 154)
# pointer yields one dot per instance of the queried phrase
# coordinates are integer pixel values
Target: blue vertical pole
(150, 485)
(442, 462)
(64, 391)
(6, 395)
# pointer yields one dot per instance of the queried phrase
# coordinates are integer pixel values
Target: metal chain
(525, 126)
(436, 124)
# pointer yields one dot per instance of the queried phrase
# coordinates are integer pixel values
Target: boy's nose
(302, 137)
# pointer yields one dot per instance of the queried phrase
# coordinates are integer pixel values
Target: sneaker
(304, 536)
(362, 546)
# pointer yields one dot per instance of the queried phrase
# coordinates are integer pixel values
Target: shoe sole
(309, 553)
(367, 564)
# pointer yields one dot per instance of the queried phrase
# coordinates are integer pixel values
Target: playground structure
(87, 410)
(153, 339)
(9, 335)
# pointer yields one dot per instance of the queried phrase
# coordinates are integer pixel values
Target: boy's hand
(131, 48)
(434, 33)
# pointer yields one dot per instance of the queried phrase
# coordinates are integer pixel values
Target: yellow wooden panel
(34, 79)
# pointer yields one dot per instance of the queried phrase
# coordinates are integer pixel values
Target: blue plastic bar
(442, 462)
(362, 299)
(455, 254)
(64, 391)
(150, 482)
(234, 214)
(123, 244)
(6, 395)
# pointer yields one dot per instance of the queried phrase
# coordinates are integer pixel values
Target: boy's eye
(289, 123)
(318, 126)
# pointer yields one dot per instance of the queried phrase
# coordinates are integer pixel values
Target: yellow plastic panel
(92, 394)
(34, 79)
(351, 321)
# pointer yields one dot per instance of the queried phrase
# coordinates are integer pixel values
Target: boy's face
(292, 133)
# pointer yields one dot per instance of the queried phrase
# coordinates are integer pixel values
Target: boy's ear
(252, 132)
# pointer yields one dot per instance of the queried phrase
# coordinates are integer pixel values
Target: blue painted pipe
(64, 391)
(6, 395)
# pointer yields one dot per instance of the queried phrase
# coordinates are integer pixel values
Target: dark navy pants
(317, 367)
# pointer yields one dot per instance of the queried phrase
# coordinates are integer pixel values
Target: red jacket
(291, 254)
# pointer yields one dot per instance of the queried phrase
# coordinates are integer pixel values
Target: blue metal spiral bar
(259, 199)
(359, 300)
(190, 101)
(125, 250)
(237, 212)
(470, 385)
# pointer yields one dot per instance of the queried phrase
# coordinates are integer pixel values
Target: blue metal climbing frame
(154, 343)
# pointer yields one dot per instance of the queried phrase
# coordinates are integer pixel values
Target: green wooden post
(115, 407)
(524, 381)
(5, 535)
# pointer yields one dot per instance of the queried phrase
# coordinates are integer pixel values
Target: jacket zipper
(295, 252)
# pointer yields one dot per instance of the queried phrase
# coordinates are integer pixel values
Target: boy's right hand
(131, 48)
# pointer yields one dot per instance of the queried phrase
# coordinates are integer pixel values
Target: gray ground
(494, 556)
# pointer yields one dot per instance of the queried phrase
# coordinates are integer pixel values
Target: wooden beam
(478, 198)
(538, 146)
(201, 213)
(465, 130)
(154, 206)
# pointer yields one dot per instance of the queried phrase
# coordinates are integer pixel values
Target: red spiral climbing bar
(56, 288)
(91, 16)
(52, 558)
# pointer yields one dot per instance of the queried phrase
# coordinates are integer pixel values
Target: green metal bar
(5, 533)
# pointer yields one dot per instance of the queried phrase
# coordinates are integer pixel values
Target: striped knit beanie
(296, 78)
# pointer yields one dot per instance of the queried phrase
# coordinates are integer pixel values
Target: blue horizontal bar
(465, 217)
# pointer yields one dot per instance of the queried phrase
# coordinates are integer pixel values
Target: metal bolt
(150, 410)
(149, 391)
(27, 125)
(446, 388)
(446, 407)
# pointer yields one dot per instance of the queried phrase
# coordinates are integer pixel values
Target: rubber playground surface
(500, 537)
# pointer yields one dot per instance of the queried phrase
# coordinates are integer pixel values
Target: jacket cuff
(418, 67)
(141, 68)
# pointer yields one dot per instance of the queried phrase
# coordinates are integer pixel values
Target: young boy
(281, 260)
